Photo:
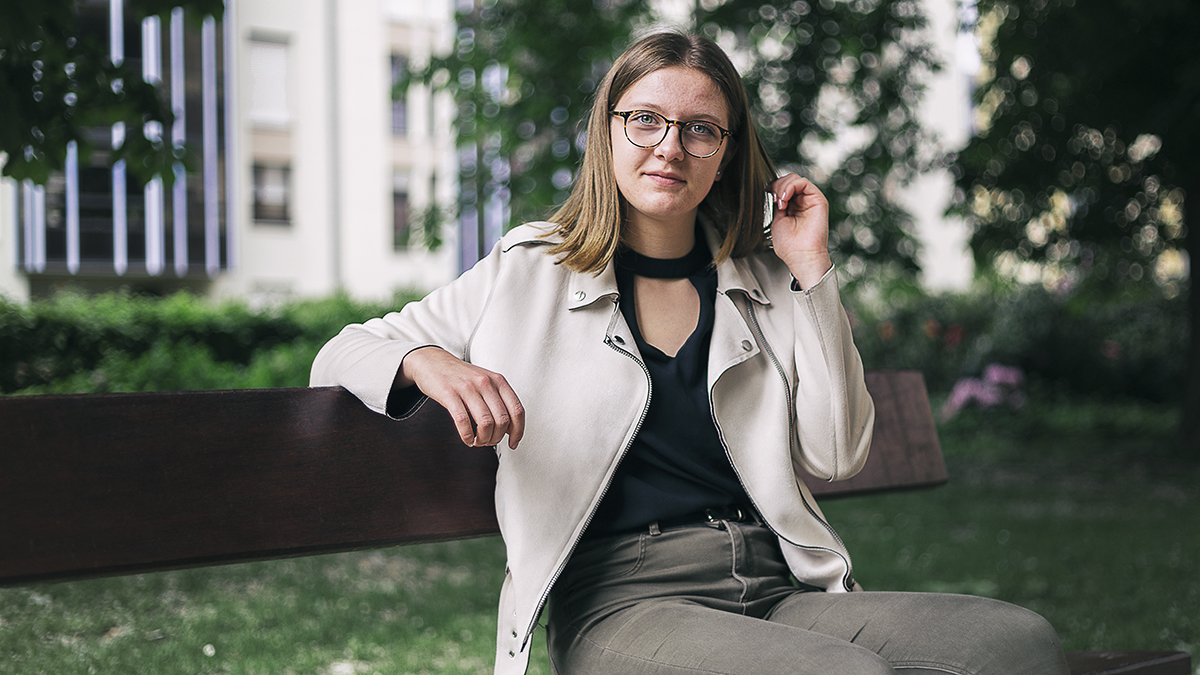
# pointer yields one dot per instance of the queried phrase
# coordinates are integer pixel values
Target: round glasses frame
(624, 115)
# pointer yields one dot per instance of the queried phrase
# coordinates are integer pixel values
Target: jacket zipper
(846, 578)
(592, 512)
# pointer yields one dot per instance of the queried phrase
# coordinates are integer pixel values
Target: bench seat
(96, 485)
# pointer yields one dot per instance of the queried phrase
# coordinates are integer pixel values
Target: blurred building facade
(306, 179)
(309, 179)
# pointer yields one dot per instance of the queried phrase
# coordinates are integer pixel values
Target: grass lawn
(1076, 510)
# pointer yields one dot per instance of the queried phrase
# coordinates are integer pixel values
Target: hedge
(119, 342)
(1127, 347)
(1132, 346)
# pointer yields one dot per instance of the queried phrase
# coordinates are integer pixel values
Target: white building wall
(364, 161)
(12, 284)
(282, 260)
(342, 151)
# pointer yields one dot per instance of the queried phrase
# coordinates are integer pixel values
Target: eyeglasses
(647, 129)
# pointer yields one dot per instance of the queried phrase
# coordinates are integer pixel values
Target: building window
(92, 219)
(399, 96)
(268, 83)
(272, 193)
(401, 227)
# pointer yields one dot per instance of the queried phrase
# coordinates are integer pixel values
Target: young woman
(662, 360)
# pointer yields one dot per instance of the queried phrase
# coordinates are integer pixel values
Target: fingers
(516, 427)
(463, 422)
(791, 192)
(494, 410)
(481, 403)
(783, 190)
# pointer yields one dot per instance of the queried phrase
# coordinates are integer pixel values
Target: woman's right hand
(481, 403)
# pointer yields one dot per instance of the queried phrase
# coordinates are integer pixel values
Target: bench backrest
(121, 483)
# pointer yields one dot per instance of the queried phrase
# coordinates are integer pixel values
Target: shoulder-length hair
(590, 220)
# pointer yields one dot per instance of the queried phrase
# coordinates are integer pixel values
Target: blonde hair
(590, 220)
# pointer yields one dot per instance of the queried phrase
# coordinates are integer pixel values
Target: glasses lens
(646, 129)
(700, 138)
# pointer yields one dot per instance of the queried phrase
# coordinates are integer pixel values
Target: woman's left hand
(800, 228)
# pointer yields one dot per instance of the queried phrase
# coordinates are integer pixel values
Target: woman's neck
(661, 239)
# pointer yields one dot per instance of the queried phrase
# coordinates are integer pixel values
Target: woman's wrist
(406, 375)
(808, 269)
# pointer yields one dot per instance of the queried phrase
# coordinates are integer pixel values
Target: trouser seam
(733, 568)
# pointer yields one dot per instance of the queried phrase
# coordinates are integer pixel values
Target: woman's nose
(671, 146)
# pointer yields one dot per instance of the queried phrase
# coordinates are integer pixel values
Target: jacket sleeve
(834, 413)
(364, 358)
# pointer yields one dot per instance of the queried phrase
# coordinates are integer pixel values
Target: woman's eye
(701, 129)
(646, 119)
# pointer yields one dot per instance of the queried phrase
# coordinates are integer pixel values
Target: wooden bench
(124, 483)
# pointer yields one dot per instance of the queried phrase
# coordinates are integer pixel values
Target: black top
(677, 464)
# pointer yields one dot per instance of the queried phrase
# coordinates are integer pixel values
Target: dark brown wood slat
(1129, 663)
(121, 483)
(93, 485)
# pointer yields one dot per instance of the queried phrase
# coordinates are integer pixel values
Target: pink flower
(1000, 384)
(1003, 375)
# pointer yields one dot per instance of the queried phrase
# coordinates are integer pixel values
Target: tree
(841, 80)
(1089, 128)
(56, 85)
(523, 73)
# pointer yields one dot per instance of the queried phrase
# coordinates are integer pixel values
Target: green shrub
(120, 342)
(1127, 346)
(944, 336)
(1131, 346)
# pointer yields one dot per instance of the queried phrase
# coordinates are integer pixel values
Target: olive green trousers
(719, 599)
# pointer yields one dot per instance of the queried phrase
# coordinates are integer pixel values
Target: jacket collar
(733, 275)
(582, 289)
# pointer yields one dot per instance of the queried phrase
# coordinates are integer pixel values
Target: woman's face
(664, 184)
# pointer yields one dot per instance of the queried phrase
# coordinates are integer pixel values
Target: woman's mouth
(663, 178)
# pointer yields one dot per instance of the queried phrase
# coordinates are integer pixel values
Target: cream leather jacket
(785, 381)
